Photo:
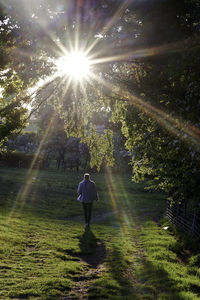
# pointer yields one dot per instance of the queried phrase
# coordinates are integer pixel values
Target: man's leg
(85, 212)
(89, 212)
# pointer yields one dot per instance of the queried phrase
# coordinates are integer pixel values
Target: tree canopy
(144, 74)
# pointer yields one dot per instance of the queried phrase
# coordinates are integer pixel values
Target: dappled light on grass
(160, 269)
(168, 262)
(111, 191)
(46, 251)
(121, 205)
(32, 173)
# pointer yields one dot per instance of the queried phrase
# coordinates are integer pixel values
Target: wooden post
(184, 209)
(193, 222)
(177, 213)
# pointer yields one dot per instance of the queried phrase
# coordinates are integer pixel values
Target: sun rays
(75, 62)
(120, 200)
(32, 173)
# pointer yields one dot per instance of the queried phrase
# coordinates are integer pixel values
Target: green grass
(45, 252)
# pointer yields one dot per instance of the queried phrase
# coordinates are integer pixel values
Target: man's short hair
(87, 176)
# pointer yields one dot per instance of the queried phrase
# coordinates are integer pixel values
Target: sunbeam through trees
(135, 62)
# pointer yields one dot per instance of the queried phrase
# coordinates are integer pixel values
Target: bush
(19, 160)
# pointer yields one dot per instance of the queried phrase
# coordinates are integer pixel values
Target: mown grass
(45, 250)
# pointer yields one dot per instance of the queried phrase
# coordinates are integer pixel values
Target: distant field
(46, 253)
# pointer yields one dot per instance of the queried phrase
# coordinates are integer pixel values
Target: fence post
(177, 213)
(168, 206)
(184, 209)
(193, 222)
(19, 163)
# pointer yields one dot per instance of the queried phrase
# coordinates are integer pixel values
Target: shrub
(19, 159)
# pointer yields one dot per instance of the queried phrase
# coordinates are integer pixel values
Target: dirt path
(96, 218)
(94, 263)
(92, 271)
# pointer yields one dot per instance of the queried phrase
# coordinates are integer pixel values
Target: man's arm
(79, 191)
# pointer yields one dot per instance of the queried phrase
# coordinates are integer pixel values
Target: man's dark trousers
(87, 208)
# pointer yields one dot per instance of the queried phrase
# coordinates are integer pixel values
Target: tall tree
(144, 58)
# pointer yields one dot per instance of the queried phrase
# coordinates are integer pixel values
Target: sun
(74, 64)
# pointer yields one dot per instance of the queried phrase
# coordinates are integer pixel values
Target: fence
(188, 221)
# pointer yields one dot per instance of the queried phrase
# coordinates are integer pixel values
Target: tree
(161, 128)
(145, 75)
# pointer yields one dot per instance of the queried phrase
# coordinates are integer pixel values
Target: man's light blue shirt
(87, 191)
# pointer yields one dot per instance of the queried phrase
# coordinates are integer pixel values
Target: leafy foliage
(148, 80)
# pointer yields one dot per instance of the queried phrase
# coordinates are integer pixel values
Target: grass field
(46, 253)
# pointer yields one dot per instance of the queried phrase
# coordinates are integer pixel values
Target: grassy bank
(46, 253)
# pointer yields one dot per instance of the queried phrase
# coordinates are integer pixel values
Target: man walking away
(87, 194)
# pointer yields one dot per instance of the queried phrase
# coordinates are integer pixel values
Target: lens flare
(75, 64)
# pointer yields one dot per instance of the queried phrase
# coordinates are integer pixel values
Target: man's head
(87, 176)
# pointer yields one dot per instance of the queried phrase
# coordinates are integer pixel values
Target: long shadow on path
(93, 253)
(93, 250)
